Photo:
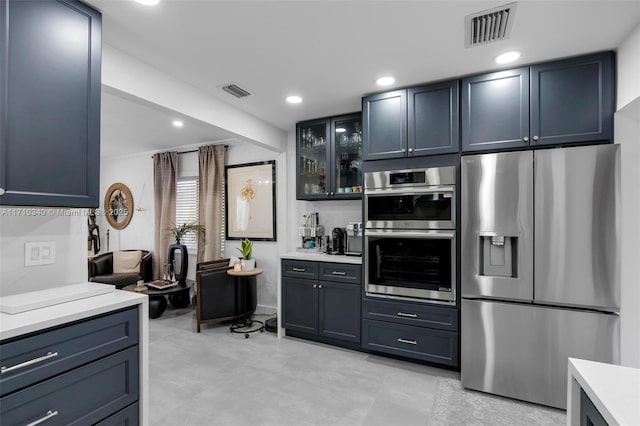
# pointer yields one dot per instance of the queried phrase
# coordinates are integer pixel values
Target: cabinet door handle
(1, 191)
(49, 415)
(403, 314)
(408, 342)
(319, 285)
(343, 273)
(298, 269)
(326, 193)
(535, 138)
(410, 150)
(315, 286)
(4, 369)
(331, 193)
(526, 139)
(403, 150)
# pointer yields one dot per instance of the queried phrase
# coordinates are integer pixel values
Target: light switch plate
(39, 253)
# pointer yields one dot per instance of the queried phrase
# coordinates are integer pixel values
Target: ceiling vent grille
(236, 91)
(489, 25)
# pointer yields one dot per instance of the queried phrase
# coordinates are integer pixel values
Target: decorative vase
(248, 264)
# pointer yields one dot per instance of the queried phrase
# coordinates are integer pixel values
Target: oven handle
(430, 234)
(407, 191)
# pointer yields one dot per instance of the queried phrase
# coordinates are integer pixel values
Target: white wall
(628, 69)
(66, 227)
(627, 134)
(135, 172)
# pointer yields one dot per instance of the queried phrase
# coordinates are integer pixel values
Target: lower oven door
(411, 264)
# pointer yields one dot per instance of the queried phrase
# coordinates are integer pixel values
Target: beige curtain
(211, 159)
(165, 175)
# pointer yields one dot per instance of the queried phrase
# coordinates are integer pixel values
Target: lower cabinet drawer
(423, 315)
(82, 396)
(34, 358)
(130, 416)
(426, 344)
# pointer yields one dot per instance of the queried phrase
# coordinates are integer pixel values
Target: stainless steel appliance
(354, 239)
(539, 268)
(409, 238)
(311, 233)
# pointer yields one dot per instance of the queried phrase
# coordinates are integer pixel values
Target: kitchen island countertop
(322, 257)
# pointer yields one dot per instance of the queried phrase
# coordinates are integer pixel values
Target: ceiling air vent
(489, 25)
(236, 91)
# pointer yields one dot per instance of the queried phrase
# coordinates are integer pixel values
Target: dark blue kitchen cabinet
(321, 300)
(339, 310)
(384, 121)
(83, 372)
(572, 100)
(561, 102)
(433, 119)
(495, 110)
(50, 55)
(329, 158)
(412, 122)
(300, 301)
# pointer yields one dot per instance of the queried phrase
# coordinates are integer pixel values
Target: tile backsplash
(67, 228)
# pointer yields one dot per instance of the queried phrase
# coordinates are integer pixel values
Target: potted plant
(177, 256)
(178, 232)
(246, 248)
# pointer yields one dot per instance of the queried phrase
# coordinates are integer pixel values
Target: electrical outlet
(40, 253)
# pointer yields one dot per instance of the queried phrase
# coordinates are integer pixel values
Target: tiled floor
(216, 378)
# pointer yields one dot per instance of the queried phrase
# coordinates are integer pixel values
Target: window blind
(187, 209)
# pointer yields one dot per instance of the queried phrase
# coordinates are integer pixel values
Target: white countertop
(13, 325)
(322, 257)
(613, 389)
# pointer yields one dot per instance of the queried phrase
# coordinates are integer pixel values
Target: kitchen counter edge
(15, 325)
(321, 257)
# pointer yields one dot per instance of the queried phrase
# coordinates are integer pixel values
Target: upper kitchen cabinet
(412, 122)
(50, 97)
(495, 110)
(329, 153)
(566, 101)
(384, 117)
(572, 100)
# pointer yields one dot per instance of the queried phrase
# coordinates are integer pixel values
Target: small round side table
(244, 325)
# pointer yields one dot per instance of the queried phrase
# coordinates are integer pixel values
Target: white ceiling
(328, 52)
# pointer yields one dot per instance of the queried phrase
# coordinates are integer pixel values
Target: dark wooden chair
(216, 297)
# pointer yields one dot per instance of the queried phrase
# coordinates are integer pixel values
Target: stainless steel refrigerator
(540, 268)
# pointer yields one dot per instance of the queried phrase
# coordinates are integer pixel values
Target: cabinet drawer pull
(4, 369)
(315, 286)
(402, 314)
(339, 273)
(298, 269)
(49, 415)
(408, 342)
(1, 191)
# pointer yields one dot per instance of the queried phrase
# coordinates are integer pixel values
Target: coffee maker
(338, 237)
(354, 239)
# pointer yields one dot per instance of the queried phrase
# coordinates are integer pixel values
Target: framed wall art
(251, 201)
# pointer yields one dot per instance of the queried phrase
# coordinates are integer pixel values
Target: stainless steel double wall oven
(410, 239)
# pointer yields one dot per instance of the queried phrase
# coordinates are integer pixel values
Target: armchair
(101, 270)
(215, 294)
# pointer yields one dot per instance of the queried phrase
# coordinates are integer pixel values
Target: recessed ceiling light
(148, 2)
(340, 130)
(507, 57)
(294, 99)
(385, 81)
(178, 123)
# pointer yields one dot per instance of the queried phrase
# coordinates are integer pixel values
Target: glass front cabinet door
(329, 156)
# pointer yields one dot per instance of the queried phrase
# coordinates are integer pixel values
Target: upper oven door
(417, 208)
